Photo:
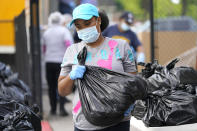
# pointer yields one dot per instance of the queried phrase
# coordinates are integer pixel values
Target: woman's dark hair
(104, 20)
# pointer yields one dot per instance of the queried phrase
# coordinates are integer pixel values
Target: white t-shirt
(57, 38)
(111, 54)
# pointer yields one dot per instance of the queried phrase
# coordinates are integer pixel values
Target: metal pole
(152, 49)
(35, 53)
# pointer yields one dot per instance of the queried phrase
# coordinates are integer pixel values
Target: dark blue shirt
(129, 36)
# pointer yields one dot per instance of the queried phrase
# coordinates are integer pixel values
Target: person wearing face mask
(104, 24)
(109, 53)
(122, 30)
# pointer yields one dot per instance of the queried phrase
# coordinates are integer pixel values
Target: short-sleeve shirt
(56, 38)
(111, 54)
(129, 36)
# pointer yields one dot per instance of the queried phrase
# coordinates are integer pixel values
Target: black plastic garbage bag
(105, 95)
(15, 113)
(18, 117)
(151, 68)
(162, 79)
(191, 89)
(18, 91)
(185, 75)
(168, 76)
(5, 71)
(172, 95)
(170, 108)
(158, 76)
(139, 110)
(11, 87)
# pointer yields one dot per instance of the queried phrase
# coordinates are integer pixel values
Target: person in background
(109, 53)
(93, 2)
(56, 40)
(66, 6)
(122, 30)
(67, 18)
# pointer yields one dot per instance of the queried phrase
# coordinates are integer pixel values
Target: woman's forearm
(65, 85)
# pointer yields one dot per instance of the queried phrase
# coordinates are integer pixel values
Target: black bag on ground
(105, 95)
(15, 113)
(12, 88)
(18, 117)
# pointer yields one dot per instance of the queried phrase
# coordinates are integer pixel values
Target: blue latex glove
(128, 112)
(140, 57)
(77, 72)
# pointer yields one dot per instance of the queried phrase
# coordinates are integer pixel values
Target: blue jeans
(122, 126)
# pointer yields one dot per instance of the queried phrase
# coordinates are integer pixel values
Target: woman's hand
(65, 83)
(77, 72)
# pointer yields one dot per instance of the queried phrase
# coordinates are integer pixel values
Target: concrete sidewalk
(57, 122)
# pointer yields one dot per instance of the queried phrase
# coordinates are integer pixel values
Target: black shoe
(63, 112)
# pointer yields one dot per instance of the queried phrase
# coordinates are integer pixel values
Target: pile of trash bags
(172, 95)
(15, 111)
(105, 95)
(162, 95)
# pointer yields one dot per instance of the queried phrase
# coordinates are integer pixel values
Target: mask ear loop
(97, 21)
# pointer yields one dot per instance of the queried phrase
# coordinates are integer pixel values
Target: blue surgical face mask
(124, 26)
(88, 35)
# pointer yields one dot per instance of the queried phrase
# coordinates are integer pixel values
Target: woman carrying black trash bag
(103, 52)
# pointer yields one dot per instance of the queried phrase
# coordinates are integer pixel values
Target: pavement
(57, 122)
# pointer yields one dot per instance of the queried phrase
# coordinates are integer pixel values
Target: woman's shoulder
(76, 47)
